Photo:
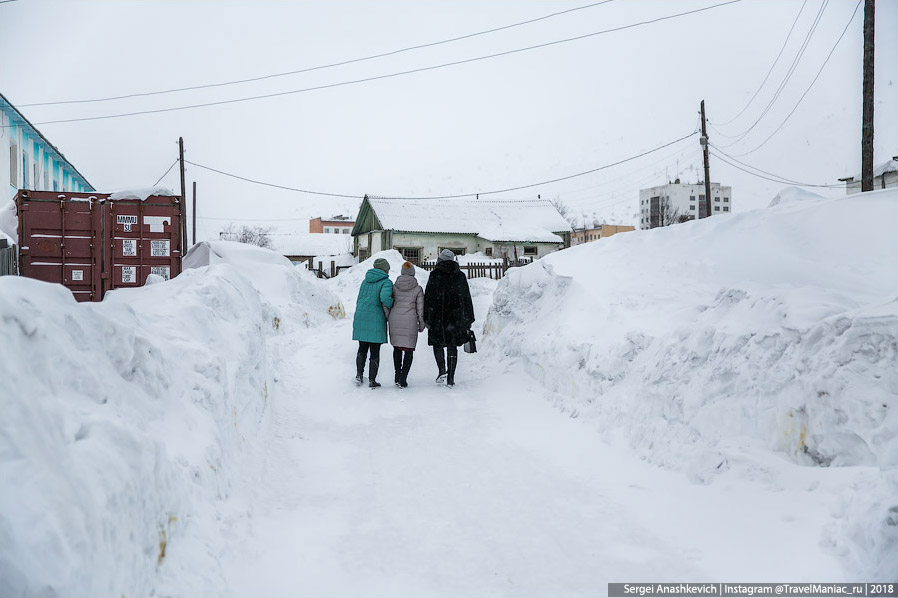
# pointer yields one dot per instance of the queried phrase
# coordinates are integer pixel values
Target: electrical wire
(775, 180)
(284, 187)
(475, 194)
(788, 75)
(788, 116)
(390, 75)
(785, 43)
(166, 172)
(323, 66)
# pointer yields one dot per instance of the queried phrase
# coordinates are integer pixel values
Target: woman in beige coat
(406, 321)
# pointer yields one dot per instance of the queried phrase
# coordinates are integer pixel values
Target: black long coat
(448, 310)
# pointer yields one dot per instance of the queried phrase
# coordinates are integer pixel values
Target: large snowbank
(777, 328)
(285, 288)
(131, 427)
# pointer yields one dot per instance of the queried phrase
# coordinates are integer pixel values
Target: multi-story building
(29, 161)
(596, 232)
(339, 224)
(677, 202)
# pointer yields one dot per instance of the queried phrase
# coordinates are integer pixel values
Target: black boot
(406, 367)
(441, 364)
(397, 365)
(373, 366)
(450, 378)
(360, 365)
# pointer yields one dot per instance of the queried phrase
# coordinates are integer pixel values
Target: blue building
(29, 161)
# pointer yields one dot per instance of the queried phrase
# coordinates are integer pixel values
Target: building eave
(25, 121)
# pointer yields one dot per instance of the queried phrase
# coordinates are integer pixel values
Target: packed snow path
(486, 489)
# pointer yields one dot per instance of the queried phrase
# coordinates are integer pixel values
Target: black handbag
(471, 345)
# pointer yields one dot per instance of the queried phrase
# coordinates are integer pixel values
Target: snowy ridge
(155, 402)
(775, 329)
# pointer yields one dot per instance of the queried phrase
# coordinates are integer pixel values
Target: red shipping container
(92, 244)
(142, 238)
(57, 240)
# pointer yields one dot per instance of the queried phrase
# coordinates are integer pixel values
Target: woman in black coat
(448, 314)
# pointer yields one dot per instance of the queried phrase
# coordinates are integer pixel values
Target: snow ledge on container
(140, 193)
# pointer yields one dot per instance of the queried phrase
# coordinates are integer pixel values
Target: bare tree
(252, 235)
(565, 211)
(667, 214)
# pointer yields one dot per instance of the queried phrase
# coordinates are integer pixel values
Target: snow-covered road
(486, 489)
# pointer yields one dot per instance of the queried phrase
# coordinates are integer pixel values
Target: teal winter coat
(370, 322)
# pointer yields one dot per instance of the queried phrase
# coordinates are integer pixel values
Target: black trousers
(440, 356)
(364, 349)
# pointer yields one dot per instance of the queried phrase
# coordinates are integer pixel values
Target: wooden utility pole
(194, 212)
(183, 198)
(704, 142)
(867, 126)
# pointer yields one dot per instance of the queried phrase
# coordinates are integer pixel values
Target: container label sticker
(77, 275)
(160, 248)
(162, 271)
(156, 223)
(129, 274)
(129, 247)
(126, 220)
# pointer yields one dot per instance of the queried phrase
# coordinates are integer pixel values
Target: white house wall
(431, 243)
(45, 167)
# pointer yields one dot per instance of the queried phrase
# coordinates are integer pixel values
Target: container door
(57, 242)
(142, 239)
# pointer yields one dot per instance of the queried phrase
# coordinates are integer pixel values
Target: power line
(359, 196)
(788, 75)
(788, 116)
(390, 75)
(284, 187)
(785, 43)
(323, 66)
(775, 180)
(166, 172)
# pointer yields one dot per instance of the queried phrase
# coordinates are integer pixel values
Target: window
(726, 199)
(455, 250)
(717, 199)
(692, 207)
(488, 252)
(726, 208)
(327, 229)
(410, 254)
(345, 231)
(363, 254)
(692, 198)
(530, 251)
(13, 160)
(716, 208)
(336, 231)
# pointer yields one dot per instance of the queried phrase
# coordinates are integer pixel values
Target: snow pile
(132, 429)
(776, 328)
(288, 294)
(141, 193)
(9, 222)
(124, 423)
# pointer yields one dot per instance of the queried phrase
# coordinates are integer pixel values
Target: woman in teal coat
(369, 324)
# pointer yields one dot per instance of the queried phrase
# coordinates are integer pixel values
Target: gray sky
(485, 125)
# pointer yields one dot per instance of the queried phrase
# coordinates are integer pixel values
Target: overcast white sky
(491, 124)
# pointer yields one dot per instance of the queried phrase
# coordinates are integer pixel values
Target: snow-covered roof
(313, 244)
(881, 169)
(531, 220)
